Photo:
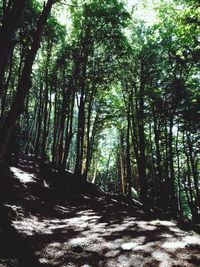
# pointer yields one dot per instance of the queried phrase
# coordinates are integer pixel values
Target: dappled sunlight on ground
(101, 232)
(82, 239)
(24, 177)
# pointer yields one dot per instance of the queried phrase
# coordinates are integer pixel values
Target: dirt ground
(83, 230)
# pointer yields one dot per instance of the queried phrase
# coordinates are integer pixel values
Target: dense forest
(107, 90)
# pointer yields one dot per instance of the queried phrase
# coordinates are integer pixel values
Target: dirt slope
(80, 230)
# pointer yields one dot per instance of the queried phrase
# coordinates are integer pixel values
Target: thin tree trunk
(193, 167)
(158, 156)
(69, 133)
(55, 129)
(191, 193)
(89, 139)
(128, 160)
(178, 176)
(122, 164)
(81, 121)
(11, 19)
(142, 163)
(6, 86)
(173, 198)
(154, 178)
(166, 189)
(24, 84)
(39, 123)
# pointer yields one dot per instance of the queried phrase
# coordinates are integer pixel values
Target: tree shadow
(62, 228)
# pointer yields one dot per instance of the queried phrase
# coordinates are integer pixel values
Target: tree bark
(122, 164)
(193, 167)
(38, 123)
(24, 84)
(11, 19)
(128, 160)
(142, 161)
(173, 197)
(158, 155)
(69, 132)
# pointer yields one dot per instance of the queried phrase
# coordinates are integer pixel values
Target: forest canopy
(108, 90)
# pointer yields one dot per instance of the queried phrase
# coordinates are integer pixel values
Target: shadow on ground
(84, 230)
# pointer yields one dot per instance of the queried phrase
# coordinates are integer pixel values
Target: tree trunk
(55, 128)
(165, 188)
(122, 164)
(80, 136)
(158, 157)
(90, 140)
(81, 118)
(45, 112)
(128, 160)
(178, 176)
(173, 197)
(193, 167)
(11, 19)
(69, 133)
(142, 161)
(154, 178)
(38, 123)
(24, 84)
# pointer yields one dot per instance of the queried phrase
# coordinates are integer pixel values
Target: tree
(24, 84)
(12, 13)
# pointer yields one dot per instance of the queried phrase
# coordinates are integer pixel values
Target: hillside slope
(74, 229)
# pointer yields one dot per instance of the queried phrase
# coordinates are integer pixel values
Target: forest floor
(84, 230)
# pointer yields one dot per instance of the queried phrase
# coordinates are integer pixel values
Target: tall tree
(12, 13)
(24, 84)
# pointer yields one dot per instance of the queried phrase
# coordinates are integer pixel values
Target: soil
(44, 227)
